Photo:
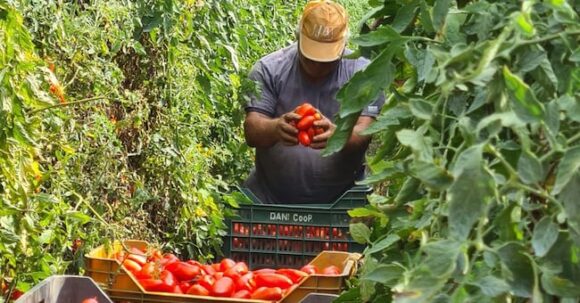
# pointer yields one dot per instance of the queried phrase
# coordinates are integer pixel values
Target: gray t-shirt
(298, 174)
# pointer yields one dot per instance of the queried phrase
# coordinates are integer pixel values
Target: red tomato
(267, 293)
(176, 290)
(184, 271)
(168, 280)
(311, 133)
(91, 300)
(218, 275)
(168, 259)
(264, 271)
(305, 109)
(309, 269)
(245, 282)
(208, 269)
(318, 130)
(206, 281)
(273, 280)
(198, 290)
(132, 266)
(151, 284)
(305, 123)
(294, 274)
(242, 294)
(223, 287)
(148, 271)
(303, 138)
(331, 270)
(226, 264)
(184, 285)
(237, 270)
(317, 116)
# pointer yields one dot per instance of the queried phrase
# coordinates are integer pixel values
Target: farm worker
(311, 70)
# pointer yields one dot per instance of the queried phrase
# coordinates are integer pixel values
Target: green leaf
(441, 257)
(560, 286)
(492, 286)
(386, 274)
(421, 109)
(341, 134)
(417, 142)
(432, 175)
(350, 296)
(524, 24)
(425, 17)
(571, 106)
(469, 193)
(408, 191)
(360, 232)
(530, 169)
(545, 235)
(440, 10)
(382, 175)
(80, 217)
(526, 105)
(388, 118)
(382, 244)
(553, 117)
(569, 197)
(139, 49)
(568, 166)
(382, 35)
(517, 269)
(366, 85)
(404, 16)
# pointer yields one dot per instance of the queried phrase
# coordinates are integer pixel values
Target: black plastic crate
(274, 236)
(64, 289)
(319, 298)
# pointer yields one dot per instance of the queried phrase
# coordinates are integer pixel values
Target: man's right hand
(286, 128)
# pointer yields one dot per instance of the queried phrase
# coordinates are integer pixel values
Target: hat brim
(321, 51)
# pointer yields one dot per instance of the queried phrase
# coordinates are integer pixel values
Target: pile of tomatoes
(159, 272)
(305, 126)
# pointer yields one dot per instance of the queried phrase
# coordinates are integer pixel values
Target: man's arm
(262, 131)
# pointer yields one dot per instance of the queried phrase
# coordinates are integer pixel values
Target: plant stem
(547, 38)
(553, 151)
(67, 104)
(540, 193)
(508, 166)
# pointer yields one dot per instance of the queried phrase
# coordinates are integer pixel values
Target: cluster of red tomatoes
(305, 126)
(167, 273)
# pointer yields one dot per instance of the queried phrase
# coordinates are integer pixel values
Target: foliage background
(121, 119)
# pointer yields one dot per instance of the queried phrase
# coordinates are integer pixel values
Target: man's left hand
(319, 141)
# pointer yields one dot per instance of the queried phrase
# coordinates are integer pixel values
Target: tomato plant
(478, 145)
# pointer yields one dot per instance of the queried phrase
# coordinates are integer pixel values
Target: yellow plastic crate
(122, 286)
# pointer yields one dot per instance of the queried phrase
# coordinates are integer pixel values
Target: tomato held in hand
(91, 300)
(305, 123)
(303, 138)
(305, 109)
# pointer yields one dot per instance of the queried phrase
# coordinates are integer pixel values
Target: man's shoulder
(284, 55)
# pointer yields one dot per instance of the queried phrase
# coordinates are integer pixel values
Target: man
(311, 71)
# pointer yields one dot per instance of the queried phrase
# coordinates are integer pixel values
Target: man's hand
(286, 128)
(319, 141)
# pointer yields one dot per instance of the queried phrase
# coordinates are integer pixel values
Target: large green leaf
(545, 235)
(440, 10)
(525, 103)
(518, 269)
(382, 35)
(435, 177)
(382, 244)
(386, 274)
(404, 16)
(492, 286)
(569, 197)
(417, 142)
(388, 118)
(569, 165)
(530, 169)
(366, 85)
(470, 192)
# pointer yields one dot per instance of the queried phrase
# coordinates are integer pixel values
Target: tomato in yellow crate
(184, 285)
(331, 270)
(147, 271)
(246, 282)
(208, 269)
(226, 264)
(206, 281)
(309, 269)
(273, 280)
(267, 293)
(223, 287)
(293, 274)
(132, 266)
(184, 271)
(197, 290)
(242, 294)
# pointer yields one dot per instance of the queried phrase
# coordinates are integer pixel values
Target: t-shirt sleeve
(263, 99)
(374, 108)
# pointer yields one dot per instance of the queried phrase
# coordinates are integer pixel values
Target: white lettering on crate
(305, 218)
